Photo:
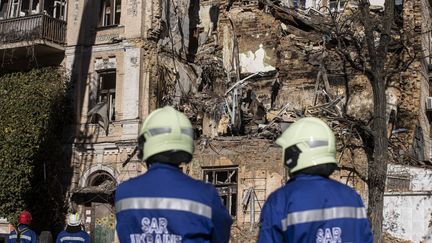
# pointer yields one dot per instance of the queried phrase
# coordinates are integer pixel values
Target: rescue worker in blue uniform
(25, 234)
(165, 205)
(74, 232)
(311, 207)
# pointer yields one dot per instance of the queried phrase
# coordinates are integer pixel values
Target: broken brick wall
(414, 83)
(259, 166)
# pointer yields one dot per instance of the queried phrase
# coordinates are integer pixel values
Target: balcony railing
(33, 27)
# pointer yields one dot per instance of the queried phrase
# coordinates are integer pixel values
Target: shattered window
(225, 181)
(107, 82)
(399, 183)
(110, 12)
(106, 92)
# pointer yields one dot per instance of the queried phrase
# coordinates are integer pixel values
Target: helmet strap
(140, 147)
(291, 156)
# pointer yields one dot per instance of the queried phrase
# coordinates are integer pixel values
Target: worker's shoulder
(277, 196)
(83, 233)
(130, 181)
(315, 185)
(207, 186)
(343, 187)
(62, 233)
(163, 182)
(198, 185)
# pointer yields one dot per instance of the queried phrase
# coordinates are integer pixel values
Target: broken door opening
(100, 218)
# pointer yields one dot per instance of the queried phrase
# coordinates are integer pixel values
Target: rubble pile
(250, 68)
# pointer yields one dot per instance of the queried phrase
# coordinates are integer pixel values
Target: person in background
(164, 204)
(24, 234)
(311, 207)
(74, 232)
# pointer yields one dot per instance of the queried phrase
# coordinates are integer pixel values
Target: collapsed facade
(242, 71)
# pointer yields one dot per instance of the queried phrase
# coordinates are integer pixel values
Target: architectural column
(130, 97)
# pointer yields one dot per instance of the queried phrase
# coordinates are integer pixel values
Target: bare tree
(367, 50)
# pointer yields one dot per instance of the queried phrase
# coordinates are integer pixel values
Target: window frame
(398, 182)
(14, 6)
(110, 93)
(115, 8)
(227, 189)
(62, 6)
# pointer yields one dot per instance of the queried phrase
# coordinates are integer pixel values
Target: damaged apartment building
(242, 71)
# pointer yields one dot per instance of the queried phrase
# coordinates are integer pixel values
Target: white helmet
(165, 130)
(73, 219)
(306, 143)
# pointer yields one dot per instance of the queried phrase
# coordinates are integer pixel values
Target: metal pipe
(241, 81)
(252, 210)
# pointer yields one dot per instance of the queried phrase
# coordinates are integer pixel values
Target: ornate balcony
(32, 30)
(37, 39)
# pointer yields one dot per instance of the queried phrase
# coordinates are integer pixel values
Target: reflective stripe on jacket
(165, 205)
(27, 235)
(76, 237)
(314, 209)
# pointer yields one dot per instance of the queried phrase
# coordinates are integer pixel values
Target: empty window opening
(225, 180)
(110, 12)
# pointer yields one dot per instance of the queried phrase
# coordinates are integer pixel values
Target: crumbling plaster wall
(257, 38)
(256, 30)
(408, 215)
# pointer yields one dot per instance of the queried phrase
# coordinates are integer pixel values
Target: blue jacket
(314, 209)
(27, 235)
(165, 205)
(76, 237)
